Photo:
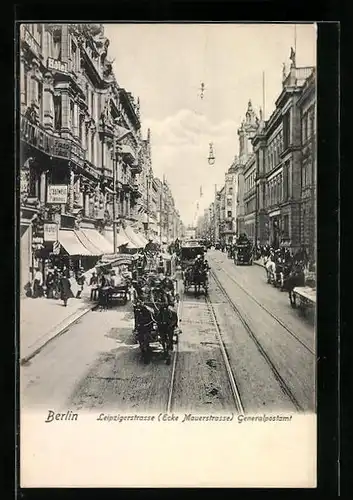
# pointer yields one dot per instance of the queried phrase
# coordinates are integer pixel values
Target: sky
(164, 65)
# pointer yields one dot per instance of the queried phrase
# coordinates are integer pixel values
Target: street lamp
(211, 157)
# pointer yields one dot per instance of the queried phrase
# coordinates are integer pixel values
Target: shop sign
(40, 139)
(24, 182)
(57, 194)
(50, 231)
(37, 240)
(56, 65)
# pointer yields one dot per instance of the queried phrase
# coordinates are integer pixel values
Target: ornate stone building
(307, 105)
(73, 115)
(277, 148)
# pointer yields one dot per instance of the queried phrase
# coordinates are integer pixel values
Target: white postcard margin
(93, 453)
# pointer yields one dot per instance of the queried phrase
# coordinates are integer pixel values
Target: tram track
(282, 383)
(278, 320)
(220, 343)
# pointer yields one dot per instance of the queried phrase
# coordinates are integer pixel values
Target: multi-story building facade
(249, 198)
(229, 219)
(277, 148)
(242, 167)
(77, 124)
(307, 105)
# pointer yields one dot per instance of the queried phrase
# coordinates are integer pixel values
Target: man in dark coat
(65, 288)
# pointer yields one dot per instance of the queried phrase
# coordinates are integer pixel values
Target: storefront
(72, 252)
(26, 243)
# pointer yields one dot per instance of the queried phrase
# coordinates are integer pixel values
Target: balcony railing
(128, 153)
(31, 42)
(136, 168)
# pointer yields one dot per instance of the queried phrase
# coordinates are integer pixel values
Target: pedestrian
(94, 279)
(65, 288)
(81, 279)
(37, 284)
(49, 283)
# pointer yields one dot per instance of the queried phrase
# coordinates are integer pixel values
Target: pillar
(65, 41)
(42, 192)
(65, 111)
(86, 204)
(76, 123)
(84, 135)
(48, 102)
(36, 76)
(88, 145)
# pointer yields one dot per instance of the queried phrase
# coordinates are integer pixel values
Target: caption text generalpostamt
(71, 416)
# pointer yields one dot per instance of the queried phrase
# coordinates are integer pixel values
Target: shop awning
(132, 236)
(121, 239)
(138, 237)
(73, 246)
(98, 241)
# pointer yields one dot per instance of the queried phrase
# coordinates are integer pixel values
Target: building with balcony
(76, 125)
(277, 149)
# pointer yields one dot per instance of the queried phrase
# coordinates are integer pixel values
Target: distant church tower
(246, 131)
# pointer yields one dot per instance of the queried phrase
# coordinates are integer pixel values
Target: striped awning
(121, 239)
(96, 240)
(132, 236)
(71, 243)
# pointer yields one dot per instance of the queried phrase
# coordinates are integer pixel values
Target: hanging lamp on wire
(211, 157)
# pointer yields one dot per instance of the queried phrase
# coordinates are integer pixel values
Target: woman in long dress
(65, 289)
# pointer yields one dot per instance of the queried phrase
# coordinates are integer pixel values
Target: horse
(270, 267)
(199, 278)
(156, 318)
(145, 324)
(295, 278)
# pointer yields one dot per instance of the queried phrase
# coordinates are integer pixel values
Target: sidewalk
(43, 319)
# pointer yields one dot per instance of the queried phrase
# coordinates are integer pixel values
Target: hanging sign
(57, 194)
(50, 231)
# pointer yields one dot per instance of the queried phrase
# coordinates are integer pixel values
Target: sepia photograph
(167, 251)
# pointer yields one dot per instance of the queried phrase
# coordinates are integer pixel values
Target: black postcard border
(328, 206)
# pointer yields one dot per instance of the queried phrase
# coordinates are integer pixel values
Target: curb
(59, 330)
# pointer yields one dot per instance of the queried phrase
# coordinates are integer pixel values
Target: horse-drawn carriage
(193, 275)
(114, 276)
(156, 319)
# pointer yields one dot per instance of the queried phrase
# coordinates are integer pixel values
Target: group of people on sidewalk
(61, 284)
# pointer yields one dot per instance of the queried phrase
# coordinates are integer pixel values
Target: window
(285, 181)
(57, 45)
(230, 190)
(40, 101)
(73, 55)
(72, 115)
(92, 148)
(25, 86)
(92, 105)
(57, 112)
(286, 226)
(80, 128)
(286, 130)
(229, 213)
